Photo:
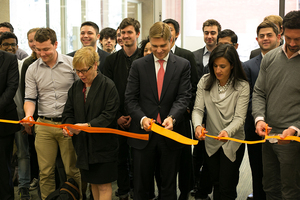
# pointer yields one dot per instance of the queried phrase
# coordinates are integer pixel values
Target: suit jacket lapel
(151, 75)
(1, 58)
(171, 66)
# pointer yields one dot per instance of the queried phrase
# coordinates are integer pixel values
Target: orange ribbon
(155, 128)
(90, 129)
(295, 138)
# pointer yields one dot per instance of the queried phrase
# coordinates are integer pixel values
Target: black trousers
(255, 159)
(6, 185)
(144, 162)
(224, 174)
(123, 180)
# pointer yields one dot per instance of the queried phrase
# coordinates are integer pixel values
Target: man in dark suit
(210, 28)
(89, 35)
(185, 170)
(277, 20)
(268, 38)
(158, 88)
(9, 81)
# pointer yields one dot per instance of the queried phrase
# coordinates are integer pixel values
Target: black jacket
(99, 110)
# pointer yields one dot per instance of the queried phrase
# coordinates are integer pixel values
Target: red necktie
(160, 80)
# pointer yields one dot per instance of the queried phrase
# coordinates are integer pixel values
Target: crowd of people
(208, 91)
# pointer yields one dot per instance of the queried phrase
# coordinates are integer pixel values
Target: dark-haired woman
(224, 92)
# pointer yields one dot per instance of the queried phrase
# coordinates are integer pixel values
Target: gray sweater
(226, 114)
(276, 95)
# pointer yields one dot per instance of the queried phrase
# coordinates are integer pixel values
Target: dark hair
(212, 22)
(108, 33)
(44, 34)
(174, 22)
(8, 35)
(228, 52)
(7, 25)
(291, 20)
(267, 24)
(228, 33)
(130, 22)
(142, 45)
(92, 24)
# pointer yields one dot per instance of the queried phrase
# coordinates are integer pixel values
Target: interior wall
(4, 11)
(147, 17)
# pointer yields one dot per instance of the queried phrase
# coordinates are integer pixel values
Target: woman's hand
(200, 133)
(222, 134)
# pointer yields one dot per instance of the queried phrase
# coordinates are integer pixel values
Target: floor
(244, 187)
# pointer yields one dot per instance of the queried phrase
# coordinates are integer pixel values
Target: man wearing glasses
(47, 83)
(9, 43)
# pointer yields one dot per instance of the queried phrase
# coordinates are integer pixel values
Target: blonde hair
(276, 20)
(85, 56)
(32, 30)
(160, 30)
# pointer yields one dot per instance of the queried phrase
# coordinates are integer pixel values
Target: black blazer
(255, 53)
(251, 68)
(100, 110)
(102, 56)
(184, 53)
(199, 61)
(141, 98)
(9, 82)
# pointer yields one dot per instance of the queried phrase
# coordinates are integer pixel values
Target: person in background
(145, 47)
(119, 38)
(97, 106)
(117, 67)
(9, 43)
(202, 188)
(7, 27)
(89, 35)
(268, 37)
(108, 40)
(224, 93)
(8, 86)
(34, 167)
(277, 20)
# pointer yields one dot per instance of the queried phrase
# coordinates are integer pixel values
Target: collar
(205, 51)
(173, 48)
(135, 53)
(285, 52)
(59, 59)
(165, 58)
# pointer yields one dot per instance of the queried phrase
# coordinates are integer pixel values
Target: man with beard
(276, 101)
(89, 35)
(117, 68)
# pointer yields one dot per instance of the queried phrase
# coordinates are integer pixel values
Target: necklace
(222, 89)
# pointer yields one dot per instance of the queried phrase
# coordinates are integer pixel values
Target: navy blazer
(9, 82)
(102, 56)
(141, 98)
(251, 68)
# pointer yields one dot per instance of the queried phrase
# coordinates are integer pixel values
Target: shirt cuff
(141, 122)
(296, 129)
(259, 119)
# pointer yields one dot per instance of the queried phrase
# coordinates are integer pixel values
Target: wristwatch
(174, 120)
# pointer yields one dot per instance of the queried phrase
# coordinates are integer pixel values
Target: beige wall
(4, 11)
(147, 17)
